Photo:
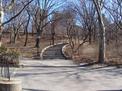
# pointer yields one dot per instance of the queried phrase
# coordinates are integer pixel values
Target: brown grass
(89, 53)
(29, 50)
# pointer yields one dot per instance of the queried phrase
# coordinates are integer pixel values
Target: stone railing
(64, 52)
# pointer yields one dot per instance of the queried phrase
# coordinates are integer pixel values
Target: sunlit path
(50, 75)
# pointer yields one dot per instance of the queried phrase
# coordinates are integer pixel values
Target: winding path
(62, 75)
(53, 52)
(53, 76)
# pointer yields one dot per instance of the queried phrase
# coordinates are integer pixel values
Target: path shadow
(42, 73)
(33, 89)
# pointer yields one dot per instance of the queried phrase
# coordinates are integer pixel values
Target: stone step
(54, 52)
(51, 52)
(53, 57)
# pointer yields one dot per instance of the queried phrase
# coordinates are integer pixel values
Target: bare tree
(40, 18)
(53, 24)
(26, 28)
(16, 23)
(86, 17)
(102, 45)
(1, 20)
(69, 16)
(13, 17)
(27, 25)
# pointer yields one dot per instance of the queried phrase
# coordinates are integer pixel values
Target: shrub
(3, 49)
(9, 57)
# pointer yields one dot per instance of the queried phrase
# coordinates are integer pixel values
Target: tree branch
(16, 14)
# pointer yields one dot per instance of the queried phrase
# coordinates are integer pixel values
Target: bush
(3, 49)
(13, 53)
(9, 57)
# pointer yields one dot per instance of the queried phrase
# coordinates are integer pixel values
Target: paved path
(62, 75)
(53, 52)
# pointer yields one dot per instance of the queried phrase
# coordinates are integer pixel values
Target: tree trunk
(90, 35)
(13, 36)
(38, 36)
(0, 36)
(53, 38)
(102, 43)
(1, 20)
(26, 39)
(37, 42)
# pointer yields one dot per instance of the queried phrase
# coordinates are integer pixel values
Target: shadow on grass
(33, 89)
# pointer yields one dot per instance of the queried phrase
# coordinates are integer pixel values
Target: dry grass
(86, 53)
(29, 50)
(89, 53)
(114, 53)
